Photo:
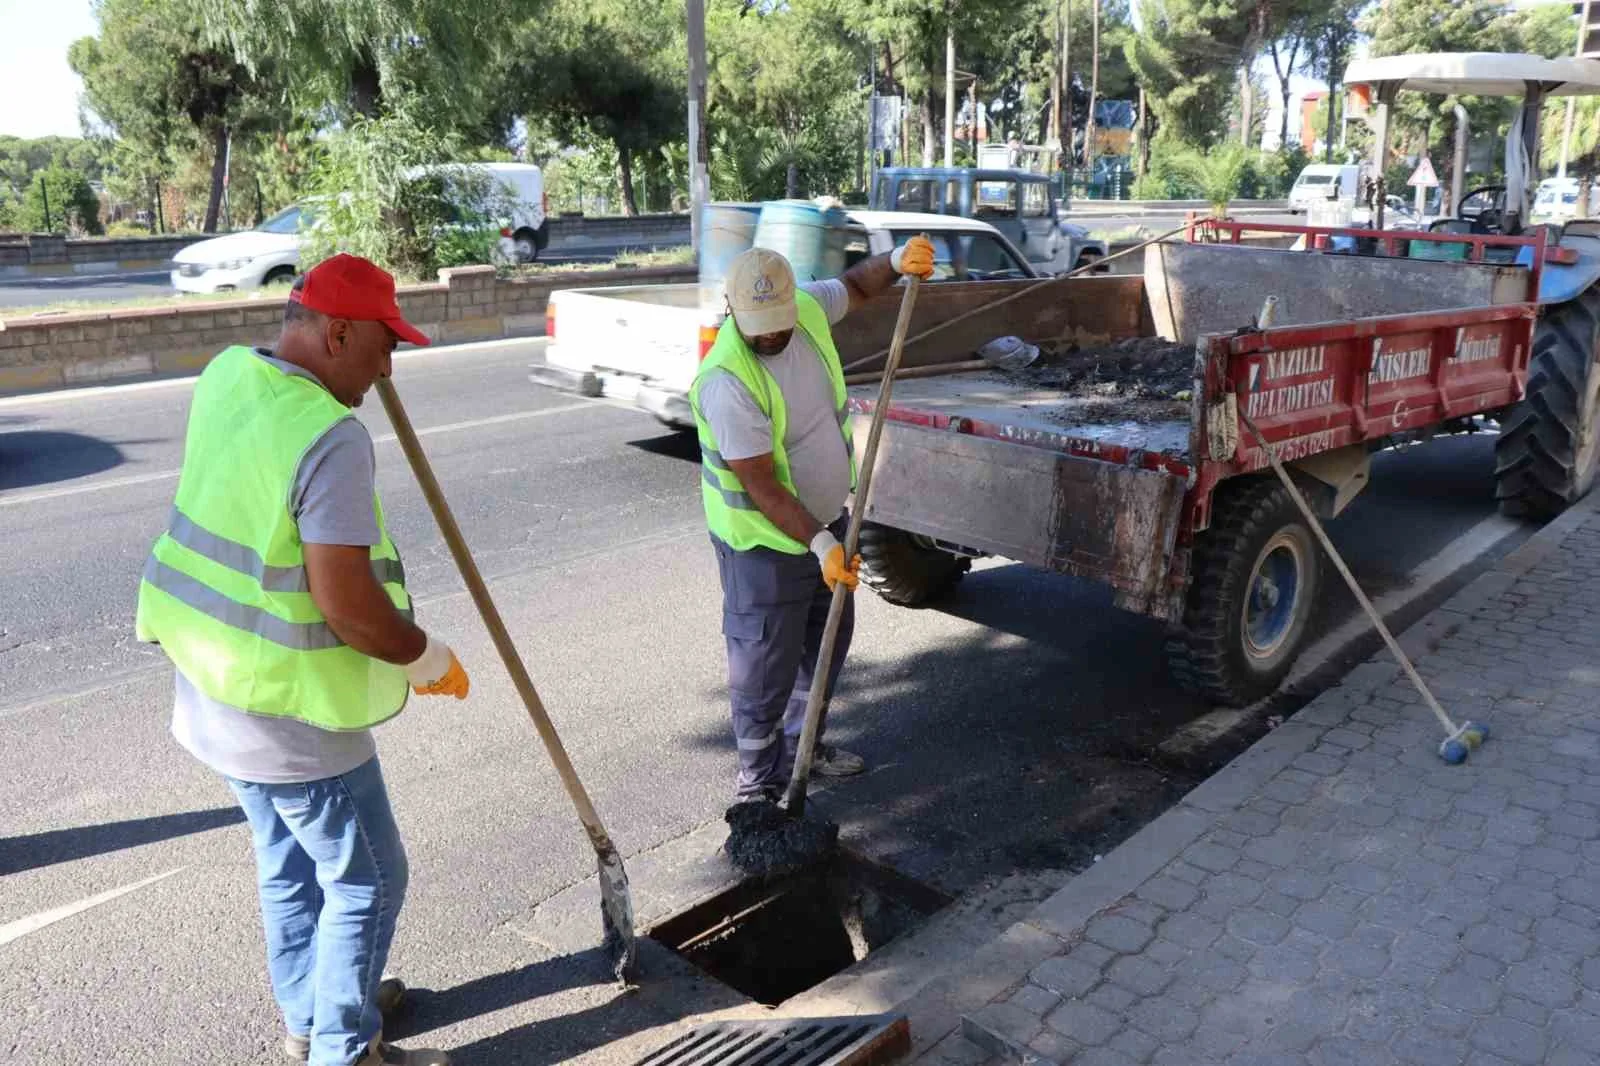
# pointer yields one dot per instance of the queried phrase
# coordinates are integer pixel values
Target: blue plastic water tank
(812, 238)
(726, 229)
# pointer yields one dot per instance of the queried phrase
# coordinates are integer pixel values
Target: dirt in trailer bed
(1142, 379)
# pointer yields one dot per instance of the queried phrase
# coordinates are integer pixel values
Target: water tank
(812, 238)
(726, 229)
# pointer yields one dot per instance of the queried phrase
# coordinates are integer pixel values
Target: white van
(525, 233)
(1321, 182)
(1555, 201)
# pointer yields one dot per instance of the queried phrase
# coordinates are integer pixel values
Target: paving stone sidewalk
(1339, 894)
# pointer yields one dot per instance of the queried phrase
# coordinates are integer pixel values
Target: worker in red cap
(281, 600)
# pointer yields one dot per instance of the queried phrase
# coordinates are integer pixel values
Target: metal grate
(859, 1041)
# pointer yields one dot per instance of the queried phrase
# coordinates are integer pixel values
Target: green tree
(783, 93)
(912, 35)
(60, 201)
(1424, 122)
(361, 57)
(155, 83)
(1328, 54)
(604, 68)
(371, 196)
(1186, 57)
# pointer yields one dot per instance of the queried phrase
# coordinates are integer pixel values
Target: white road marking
(93, 391)
(387, 438)
(34, 922)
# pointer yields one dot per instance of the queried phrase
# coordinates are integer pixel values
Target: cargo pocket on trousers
(746, 633)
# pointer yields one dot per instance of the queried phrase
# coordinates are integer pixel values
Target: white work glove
(830, 554)
(437, 672)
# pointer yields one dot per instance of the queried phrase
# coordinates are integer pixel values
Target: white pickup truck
(642, 344)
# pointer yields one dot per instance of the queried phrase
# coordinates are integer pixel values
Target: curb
(1064, 915)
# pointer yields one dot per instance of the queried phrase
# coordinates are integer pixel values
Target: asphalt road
(1012, 730)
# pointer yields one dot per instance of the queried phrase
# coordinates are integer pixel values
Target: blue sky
(38, 91)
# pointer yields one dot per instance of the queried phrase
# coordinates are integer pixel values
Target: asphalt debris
(1141, 379)
(764, 841)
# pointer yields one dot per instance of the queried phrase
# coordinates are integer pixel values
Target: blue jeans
(332, 874)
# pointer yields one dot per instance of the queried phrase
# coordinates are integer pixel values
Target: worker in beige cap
(777, 469)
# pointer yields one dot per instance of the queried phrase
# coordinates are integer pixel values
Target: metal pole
(1458, 165)
(1094, 91)
(1069, 141)
(950, 97)
(44, 195)
(699, 156)
(1380, 149)
(1566, 136)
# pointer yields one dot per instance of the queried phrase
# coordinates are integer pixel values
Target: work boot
(391, 994)
(830, 761)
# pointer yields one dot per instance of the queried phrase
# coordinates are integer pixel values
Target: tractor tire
(1548, 451)
(905, 569)
(1255, 576)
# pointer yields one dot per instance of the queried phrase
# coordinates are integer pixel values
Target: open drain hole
(774, 940)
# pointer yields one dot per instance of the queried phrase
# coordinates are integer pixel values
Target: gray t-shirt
(332, 501)
(818, 461)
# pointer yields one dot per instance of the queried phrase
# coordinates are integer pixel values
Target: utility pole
(949, 95)
(699, 155)
(1056, 87)
(1094, 90)
(1069, 146)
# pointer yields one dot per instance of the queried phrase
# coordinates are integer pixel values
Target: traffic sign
(1423, 177)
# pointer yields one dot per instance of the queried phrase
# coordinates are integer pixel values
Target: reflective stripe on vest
(225, 591)
(246, 560)
(731, 514)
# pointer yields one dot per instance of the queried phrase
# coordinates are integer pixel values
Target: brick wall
(467, 303)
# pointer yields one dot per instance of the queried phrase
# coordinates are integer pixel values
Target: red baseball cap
(347, 286)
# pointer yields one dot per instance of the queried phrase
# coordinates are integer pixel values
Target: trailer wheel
(906, 569)
(1255, 577)
(1549, 447)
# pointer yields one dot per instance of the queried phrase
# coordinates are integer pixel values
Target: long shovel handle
(795, 798)
(423, 470)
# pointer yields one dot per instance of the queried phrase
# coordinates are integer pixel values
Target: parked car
(1019, 204)
(270, 253)
(266, 255)
(641, 344)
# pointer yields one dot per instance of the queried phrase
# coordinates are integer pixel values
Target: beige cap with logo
(760, 290)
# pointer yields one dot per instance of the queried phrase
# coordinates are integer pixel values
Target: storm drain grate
(859, 1041)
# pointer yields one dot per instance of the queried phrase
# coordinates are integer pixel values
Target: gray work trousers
(774, 608)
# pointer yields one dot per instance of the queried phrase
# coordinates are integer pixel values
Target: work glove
(914, 258)
(830, 553)
(437, 672)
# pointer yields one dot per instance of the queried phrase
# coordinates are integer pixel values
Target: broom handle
(795, 798)
(492, 621)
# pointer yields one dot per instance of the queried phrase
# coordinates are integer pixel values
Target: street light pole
(699, 155)
(950, 97)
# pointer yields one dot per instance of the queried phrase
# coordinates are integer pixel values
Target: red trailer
(1171, 502)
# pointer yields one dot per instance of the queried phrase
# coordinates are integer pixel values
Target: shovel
(616, 907)
(794, 799)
